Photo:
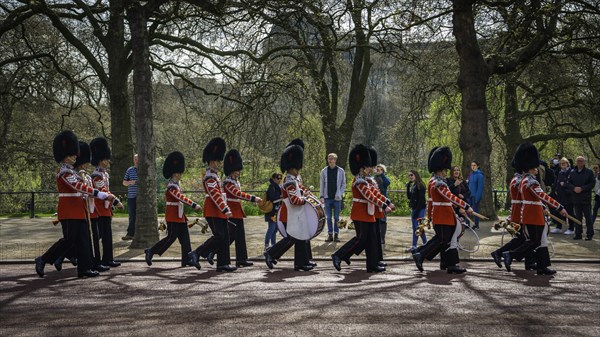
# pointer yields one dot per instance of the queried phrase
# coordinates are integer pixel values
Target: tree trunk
(146, 232)
(120, 114)
(474, 139)
(512, 134)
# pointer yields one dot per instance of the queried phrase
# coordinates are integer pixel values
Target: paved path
(166, 300)
(24, 239)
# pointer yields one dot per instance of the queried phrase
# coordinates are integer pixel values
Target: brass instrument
(423, 223)
(162, 225)
(203, 225)
(55, 221)
(511, 227)
(343, 223)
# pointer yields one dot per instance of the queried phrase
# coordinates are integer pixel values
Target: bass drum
(304, 221)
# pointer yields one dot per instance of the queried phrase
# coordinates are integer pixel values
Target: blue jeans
(271, 233)
(414, 215)
(131, 206)
(475, 204)
(336, 205)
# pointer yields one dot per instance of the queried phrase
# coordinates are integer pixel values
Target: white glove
(102, 195)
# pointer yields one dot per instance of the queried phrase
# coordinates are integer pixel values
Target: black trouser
(580, 211)
(95, 242)
(439, 244)
(131, 206)
(555, 212)
(301, 249)
(516, 241)
(379, 237)
(78, 237)
(237, 233)
(175, 230)
(105, 233)
(542, 256)
(383, 229)
(366, 239)
(72, 253)
(218, 242)
(596, 208)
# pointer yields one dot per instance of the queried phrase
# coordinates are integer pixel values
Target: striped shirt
(131, 174)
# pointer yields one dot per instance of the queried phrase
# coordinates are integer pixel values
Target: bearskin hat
(175, 163)
(291, 158)
(232, 162)
(100, 150)
(373, 154)
(84, 155)
(65, 144)
(359, 157)
(441, 159)
(527, 156)
(298, 142)
(429, 158)
(214, 150)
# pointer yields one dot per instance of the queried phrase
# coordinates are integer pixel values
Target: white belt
(370, 205)
(276, 201)
(365, 201)
(70, 194)
(233, 200)
(437, 203)
(179, 207)
(527, 202)
(516, 201)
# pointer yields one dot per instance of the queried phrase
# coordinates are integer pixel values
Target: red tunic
(100, 181)
(292, 190)
(442, 201)
(71, 190)
(235, 196)
(362, 196)
(532, 195)
(215, 205)
(515, 198)
(379, 211)
(175, 201)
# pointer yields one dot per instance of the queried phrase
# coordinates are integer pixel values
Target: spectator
(562, 195)
(476, 189)
(458, 186)
(556, 163)
(596, 169)
(383, 182)
(130, 180)
(332, 186)
(273, 195)
(581, 182)
(415, 191)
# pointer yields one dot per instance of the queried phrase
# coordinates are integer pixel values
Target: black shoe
(100, 268)
(312, 263)
(88, 273)
(507, 260)
(336, 238)
(532, 266)
(194, 259)
(376, 270)
(269, 260)
(443, 266)
(456, 270)
(73, 261)
(577, 237)
(329, 238)
(336, 262)
(187, 264)
(112, 263)
(588, 238)
(39, 266)
(475, 227)
(497, 259)
(382, 264)
(58, 263)
(546, 271)
(244, 264)
(148, 256)
(347, 261)
(303, 268)
(210, 258)
(418, 260)
(226, 268)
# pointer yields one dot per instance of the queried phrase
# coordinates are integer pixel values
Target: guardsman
(177, 228)
(364, 202)
(216, 210)
(445, 223)
(71, 208)
(532, 212)
(515, 217)
(293, 192)
(100, 178)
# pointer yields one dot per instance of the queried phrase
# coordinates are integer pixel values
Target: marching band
(85, 206)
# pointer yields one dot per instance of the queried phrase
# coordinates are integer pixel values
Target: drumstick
(557, 219)
(482, 217)
(575, 220)
(231, 222)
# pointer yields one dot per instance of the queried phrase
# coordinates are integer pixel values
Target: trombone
(511, 227)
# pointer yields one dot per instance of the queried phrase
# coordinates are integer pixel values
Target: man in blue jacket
(476, 188)
(331, 190)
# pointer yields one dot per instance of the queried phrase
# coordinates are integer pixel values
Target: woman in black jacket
(273, 195)
(457, 184)
(415, 191)
(561, 194)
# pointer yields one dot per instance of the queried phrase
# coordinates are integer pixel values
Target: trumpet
(423, 222)
(203, 225)
(511, 227)
(162, 226)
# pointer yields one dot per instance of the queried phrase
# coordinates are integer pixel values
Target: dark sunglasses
(411, 175)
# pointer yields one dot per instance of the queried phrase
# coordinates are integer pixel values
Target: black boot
(546, 271)
(497, 259)
(148, 256)
(58, 263)
(193, 256)
(112, 263)
(100, 268)
(88, 273)
(329, 238)
(507, 260)
(337, 239)
(244, 264)
(376, 270)
(39, 266)
(210, 258)
(532, 266)
(418, 258)
(269, 260)
(456, 270)
(226, 268)
(336, 262)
